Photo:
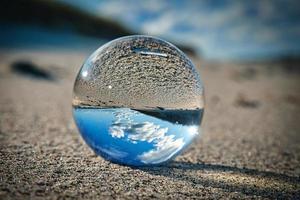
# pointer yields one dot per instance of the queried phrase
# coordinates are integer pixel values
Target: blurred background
(217, 30)
(247, 53)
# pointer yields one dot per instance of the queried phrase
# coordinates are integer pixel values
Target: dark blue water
(131, 137)
(37, 37)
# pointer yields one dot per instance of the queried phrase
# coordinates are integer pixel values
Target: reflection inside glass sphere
(138, 100)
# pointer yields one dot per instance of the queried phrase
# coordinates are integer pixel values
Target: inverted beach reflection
(127, 136)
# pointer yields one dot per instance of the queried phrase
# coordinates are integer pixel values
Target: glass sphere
(138, 100)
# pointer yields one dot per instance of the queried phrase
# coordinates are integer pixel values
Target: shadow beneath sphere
(231, 179)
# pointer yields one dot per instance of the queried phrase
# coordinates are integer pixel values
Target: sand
(248, 148)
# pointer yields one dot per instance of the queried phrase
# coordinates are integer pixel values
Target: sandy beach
(248, 147)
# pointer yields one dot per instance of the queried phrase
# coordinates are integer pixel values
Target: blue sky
(217, 29)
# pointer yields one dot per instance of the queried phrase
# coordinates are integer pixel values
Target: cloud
(218, 30)
(160, 25)
(146, 131)
(166, 147)
(136, 131)
(121, 124)
(117, 130)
